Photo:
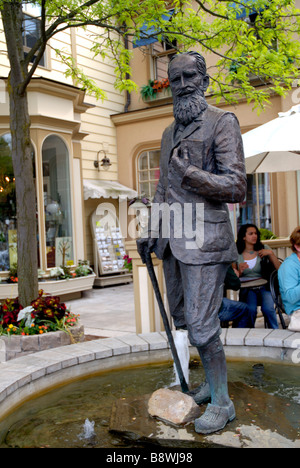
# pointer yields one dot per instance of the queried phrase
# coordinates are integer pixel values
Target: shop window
(57, 202)
(256, 209)
(32, 28)
(148, 172)
(8, 215)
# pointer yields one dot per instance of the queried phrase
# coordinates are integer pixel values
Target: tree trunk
(21, 156)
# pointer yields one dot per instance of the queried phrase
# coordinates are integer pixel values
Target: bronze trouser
(195, 294)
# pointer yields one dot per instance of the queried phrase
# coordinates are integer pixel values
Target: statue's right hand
(145, 245)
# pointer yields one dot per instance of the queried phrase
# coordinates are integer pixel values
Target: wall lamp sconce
(104, 163)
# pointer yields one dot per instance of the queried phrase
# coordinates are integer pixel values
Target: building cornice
(58, 89)
(142, 115)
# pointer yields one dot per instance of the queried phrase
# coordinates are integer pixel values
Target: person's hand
(145, 245)
(242, 267)
(236, 271)
(264, 252)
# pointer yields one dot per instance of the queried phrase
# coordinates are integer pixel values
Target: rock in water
(173, 406)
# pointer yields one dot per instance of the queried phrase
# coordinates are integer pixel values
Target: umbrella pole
(151, 272)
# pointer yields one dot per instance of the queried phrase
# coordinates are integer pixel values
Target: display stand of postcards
(111, 249)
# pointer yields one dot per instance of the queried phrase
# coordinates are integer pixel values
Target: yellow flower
(10, 326)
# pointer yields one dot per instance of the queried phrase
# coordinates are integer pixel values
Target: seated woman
(251, 251)
(289, 282)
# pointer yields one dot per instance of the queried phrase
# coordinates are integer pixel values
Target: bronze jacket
(192, 207)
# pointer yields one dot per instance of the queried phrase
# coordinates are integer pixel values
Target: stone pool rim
(27, 377)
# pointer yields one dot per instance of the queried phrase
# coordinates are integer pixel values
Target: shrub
(266, 234)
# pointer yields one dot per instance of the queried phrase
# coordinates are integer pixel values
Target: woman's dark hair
(240, 243)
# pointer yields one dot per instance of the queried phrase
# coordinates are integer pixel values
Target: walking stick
(151, 272)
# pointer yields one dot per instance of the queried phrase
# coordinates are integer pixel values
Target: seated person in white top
(250, 254)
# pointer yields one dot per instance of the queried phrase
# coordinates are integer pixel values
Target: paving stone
(118, 347)
(8, 384)
(76, 350)
(77, 334)
(256, 336)
(135, 342)
(30, 343)
(30, 363)
(236, 336)
(155, 340)
(97, 348)
(51, 364)
(292, 341)
(11, 343)
(65, 359)
(277, 337)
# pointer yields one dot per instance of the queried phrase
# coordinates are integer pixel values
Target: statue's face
(185, 77)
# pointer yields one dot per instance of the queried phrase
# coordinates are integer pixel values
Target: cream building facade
(71, 132)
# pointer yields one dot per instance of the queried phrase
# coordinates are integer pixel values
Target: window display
(57, 202)
(111, 249)
(109, 244)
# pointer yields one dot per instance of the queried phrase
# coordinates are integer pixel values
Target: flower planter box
(160, 97)
(15, 346)
(53, 287)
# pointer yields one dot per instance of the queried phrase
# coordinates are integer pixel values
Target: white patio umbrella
(274, 146)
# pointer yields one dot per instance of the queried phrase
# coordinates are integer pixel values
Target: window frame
(150, 180)
(27, 16)
(155, 56)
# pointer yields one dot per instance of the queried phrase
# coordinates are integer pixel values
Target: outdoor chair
(275, 292)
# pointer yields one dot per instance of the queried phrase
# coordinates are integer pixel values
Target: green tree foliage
(248, 38)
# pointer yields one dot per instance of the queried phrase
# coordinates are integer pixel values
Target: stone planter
(53, 287)
(15, 346)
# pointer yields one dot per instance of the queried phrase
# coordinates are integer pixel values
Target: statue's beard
(187, 108)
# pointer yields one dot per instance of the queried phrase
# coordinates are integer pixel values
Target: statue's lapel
(188, 131)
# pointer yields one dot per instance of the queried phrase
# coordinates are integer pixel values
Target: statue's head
(188, 82)
(187, 72)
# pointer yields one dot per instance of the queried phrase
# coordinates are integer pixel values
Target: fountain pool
(78, 414)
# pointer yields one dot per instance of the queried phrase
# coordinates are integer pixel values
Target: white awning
(106, 189)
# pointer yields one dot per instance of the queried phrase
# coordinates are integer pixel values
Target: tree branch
(207, 10)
